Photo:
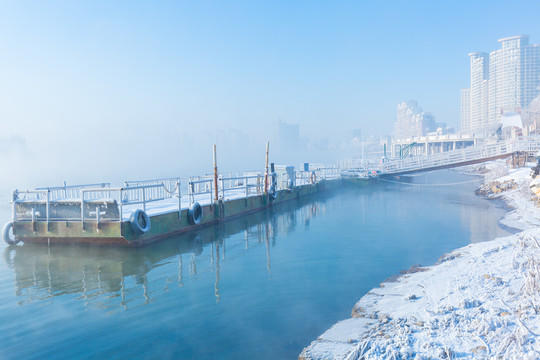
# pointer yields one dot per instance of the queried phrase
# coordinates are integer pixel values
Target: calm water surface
(260, 287)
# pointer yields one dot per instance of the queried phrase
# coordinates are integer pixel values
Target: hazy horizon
(102, 91)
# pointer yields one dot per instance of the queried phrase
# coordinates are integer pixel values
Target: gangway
(461, 157)
(450, 159)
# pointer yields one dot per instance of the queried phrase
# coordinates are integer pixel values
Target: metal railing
(170, 185)
(329, 172)
(471, 154)
(308, 177)
(247, 183)
(102, 203)
(200, 185)
(66, 192)
(464, 155)
(33, 205)
(285, 182)
(143, 192)
(359, 165)
(204, 185)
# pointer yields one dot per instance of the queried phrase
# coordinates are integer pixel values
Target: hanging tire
(313, 178)
(274, 179)
(140, 222)
(7, 234)
(195, 213)
(272, 192)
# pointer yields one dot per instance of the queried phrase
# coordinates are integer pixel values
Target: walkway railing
(102, 203)
(68, 192)
(247, 183)
(461, 157)
(89, 202)
(200, 185)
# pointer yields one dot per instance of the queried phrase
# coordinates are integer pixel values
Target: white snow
(480, 301)
(169, 205)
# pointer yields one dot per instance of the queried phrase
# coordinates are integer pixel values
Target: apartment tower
(505, 81)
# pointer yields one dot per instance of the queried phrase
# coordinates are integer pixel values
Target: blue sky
(100, 79)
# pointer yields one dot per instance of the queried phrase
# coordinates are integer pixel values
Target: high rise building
(466, 110)
(479, 91)
(288, 135)
(514, 72)
(505, 81)
(411, 121)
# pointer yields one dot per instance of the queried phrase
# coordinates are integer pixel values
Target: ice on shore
(479, 301)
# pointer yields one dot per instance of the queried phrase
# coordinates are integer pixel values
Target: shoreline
(478, 301)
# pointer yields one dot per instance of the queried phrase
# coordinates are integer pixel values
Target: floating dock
(90, 270)
(141, 212)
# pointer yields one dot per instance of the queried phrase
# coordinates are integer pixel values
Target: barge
(359, 177)
(140, 212)
(91, 271)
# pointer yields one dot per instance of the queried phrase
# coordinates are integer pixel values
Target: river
(259, 287)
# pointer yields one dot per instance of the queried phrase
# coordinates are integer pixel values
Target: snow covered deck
(155, 197)
(169, 205)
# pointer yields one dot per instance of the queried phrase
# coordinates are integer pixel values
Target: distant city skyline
(132, 89)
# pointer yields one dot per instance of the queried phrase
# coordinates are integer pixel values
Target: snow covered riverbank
(479, 301)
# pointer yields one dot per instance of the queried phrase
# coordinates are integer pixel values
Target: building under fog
(287, 135)
(412, 121)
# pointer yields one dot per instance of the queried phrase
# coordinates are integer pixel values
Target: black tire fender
(140, 221)
(195, 213)
(8, 237)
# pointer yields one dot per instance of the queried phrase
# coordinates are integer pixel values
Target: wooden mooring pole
(266, 170)
(215, 176)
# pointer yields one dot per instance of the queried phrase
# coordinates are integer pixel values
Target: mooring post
(47, 208)
(216, 196)
(266, 170)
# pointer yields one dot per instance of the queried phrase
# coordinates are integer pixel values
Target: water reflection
(456, 189)
(121, 278)
(481, 224)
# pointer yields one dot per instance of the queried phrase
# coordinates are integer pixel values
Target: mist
(94, 92)
(142, 152)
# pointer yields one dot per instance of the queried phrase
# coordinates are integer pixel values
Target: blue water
(260, 287)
